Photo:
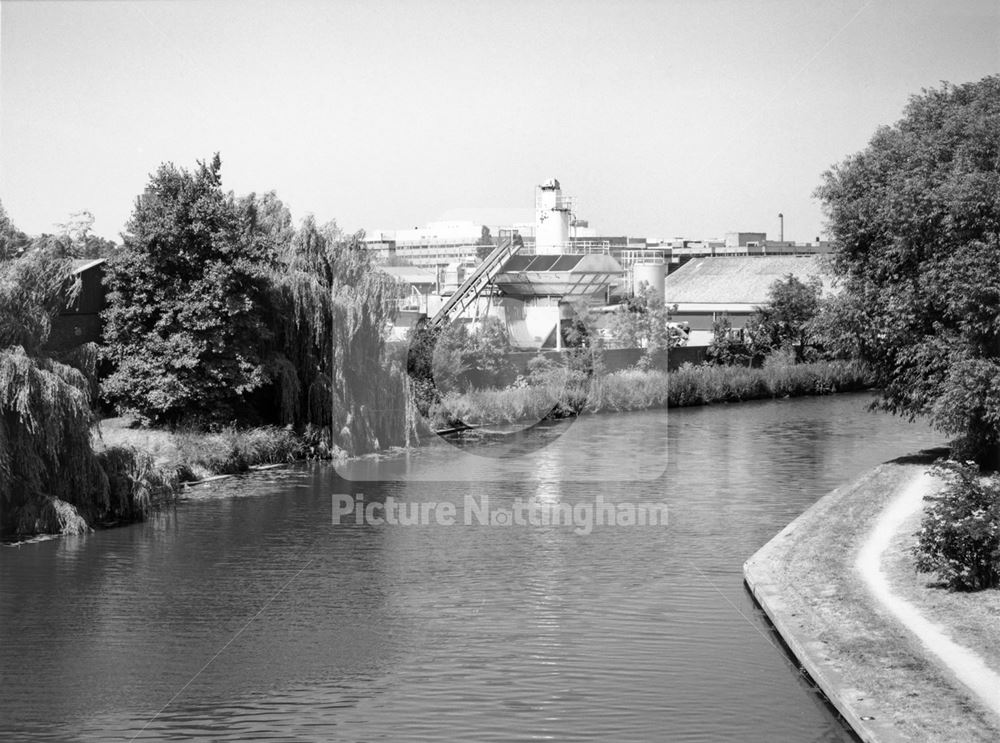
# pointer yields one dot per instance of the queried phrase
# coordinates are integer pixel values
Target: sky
(682, 118)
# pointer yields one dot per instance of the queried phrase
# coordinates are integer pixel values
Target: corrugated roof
(740, 280)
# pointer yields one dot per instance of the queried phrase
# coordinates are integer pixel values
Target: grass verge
(972, 618)
(870, 667)
(195, 455)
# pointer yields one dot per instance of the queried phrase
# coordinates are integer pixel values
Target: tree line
(219, 312)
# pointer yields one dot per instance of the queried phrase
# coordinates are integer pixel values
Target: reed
(233, 450)
(635, 389)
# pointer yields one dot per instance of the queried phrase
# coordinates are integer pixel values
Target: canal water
(244, 613)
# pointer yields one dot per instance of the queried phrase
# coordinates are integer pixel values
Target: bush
(959, 537)
(135, 485)
(728, 346)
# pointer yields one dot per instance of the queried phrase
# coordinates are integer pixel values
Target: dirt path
(967, 666)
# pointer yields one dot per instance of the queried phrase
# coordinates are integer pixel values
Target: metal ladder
(477, 281)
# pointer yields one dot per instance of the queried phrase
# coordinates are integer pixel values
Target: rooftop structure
(740, 280)
(565, 276)
(706, 288)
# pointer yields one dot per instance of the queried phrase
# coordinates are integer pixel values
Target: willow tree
(331, 370)
(49, 474)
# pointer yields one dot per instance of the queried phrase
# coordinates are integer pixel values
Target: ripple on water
(442, 633)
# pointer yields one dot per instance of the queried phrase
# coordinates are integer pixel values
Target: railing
(631, 257)
(562, 203)
(577, 247)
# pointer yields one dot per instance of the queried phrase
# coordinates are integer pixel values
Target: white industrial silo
(553, 212)
(652, 274)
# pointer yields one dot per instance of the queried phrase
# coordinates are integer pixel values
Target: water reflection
(439, 632)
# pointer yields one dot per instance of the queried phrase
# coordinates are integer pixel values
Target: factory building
(531, 288)
(705, 288)
(530, 275)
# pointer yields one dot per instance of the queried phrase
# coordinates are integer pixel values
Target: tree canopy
(220, 311)
(787, 318)
(12, 240)
(184, 329)
(916, 216)
(643, 321)
(47, 466)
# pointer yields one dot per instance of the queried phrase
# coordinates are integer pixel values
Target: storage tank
(650, 273)
(553, 212)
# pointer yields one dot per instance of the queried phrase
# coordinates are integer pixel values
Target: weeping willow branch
(333, 310)
(50, 478)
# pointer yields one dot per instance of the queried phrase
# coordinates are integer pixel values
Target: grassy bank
(138, 470)
(146, 467)
(195, 455)
(873, 670)
(633, 389)
(972, 618)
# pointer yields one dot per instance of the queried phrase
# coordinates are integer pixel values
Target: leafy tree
(267, 217)
(787, 318)
(12, 240)
(485, 244)
(643, 321)
(583, 346)
(184, 328)
(837, 329)
(422, 342)
(728, 346)
(75, 235)
(488, 349)
(451, 360)
(916, 215)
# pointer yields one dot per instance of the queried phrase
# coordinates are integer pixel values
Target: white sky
(684, 118)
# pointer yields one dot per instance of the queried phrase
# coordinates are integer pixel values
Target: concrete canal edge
(875, 673)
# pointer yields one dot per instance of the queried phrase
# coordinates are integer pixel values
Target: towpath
(966, 665)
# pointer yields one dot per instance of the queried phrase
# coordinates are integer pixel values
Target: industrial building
(529, 287)
(706, 288)
(530, 274)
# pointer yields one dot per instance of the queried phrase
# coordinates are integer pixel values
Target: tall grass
(634, 389)
(233, 450)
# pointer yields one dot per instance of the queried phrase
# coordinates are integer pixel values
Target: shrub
(728, 347)
(959, 537)
(135, 485)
